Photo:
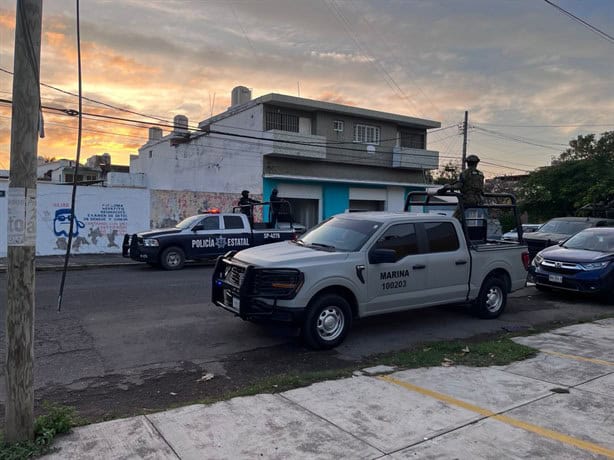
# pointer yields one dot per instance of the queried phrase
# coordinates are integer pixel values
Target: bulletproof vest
(473, 181)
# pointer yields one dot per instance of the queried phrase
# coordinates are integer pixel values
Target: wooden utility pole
(464, 141)
(19, 416)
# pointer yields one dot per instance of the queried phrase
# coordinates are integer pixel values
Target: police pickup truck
(203, 236)
(356, 265)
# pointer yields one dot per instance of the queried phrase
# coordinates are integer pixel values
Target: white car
(526, 228)
(356, 265)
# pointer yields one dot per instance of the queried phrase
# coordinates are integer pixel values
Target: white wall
(103, 216)
(211, 163)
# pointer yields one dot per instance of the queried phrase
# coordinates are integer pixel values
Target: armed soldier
(470, 184)
(246, 203)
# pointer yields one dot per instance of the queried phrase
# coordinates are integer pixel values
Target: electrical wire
(589, 26)
(77, 159)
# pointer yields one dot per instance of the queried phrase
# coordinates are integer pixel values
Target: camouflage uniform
(470, 184)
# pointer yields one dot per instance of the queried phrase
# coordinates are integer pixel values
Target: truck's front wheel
(172, 258)
(492, 298)
(327, 322)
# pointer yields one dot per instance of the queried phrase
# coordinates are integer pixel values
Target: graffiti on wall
(101, 227)
(169, 207)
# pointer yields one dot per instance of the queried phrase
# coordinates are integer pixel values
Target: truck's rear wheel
(172, 258)
(492, 298)
(327, 322)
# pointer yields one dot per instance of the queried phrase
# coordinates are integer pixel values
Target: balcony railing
(315, 148)
(414, 158)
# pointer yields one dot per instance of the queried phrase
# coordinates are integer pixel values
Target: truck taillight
(525, 260)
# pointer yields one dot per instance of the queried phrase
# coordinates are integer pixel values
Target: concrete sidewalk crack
(294, 403)
(153, 425)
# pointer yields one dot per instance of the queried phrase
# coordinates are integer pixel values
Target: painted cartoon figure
(61, 223)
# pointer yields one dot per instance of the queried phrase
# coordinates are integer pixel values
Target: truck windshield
(189, 222)
(339, 234)
(564, 227)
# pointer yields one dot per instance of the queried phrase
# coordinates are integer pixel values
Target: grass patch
(283, 382)
(56, 420)
(495, 352)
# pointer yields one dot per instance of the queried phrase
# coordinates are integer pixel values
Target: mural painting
(169, 207)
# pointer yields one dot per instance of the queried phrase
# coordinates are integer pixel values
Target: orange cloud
(7, 19)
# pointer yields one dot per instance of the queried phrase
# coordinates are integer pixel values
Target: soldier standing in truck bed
(471, 183)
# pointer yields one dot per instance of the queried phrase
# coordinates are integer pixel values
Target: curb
(51, 268)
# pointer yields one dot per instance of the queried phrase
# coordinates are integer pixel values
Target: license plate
(236, 303)
(555, 278)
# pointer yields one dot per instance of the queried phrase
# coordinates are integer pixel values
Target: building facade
(324, 158)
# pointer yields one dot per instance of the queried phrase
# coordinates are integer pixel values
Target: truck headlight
(595, 265)
(277, 282)
(150, 242)
(537, 260)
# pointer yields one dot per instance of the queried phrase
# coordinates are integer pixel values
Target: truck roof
(385, 216)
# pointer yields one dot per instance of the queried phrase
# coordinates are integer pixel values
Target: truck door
(447, 263)
(237, 235)
(205, 238)
(397, 285)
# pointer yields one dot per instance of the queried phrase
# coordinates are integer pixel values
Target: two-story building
(323, 157)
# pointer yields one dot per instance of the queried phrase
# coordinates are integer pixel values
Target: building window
(68, 178)
(150, 153)
(281, 121)
(338, 126)
(413, 139)
(365, 134)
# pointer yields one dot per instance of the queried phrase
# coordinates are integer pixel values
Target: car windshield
(601, 241)
(564, 227)
(339, 234)
(189, 222)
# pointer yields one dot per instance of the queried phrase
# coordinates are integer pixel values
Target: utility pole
(464, 141)
(19, 414)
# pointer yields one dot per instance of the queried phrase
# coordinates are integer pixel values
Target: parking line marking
(578, 358)
(536, 429)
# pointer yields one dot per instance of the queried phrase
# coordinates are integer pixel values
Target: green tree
(581, 175)
(448, 174)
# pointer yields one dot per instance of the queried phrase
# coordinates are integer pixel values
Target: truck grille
(235, 275)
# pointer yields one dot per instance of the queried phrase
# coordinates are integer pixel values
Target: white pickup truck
(356, 265)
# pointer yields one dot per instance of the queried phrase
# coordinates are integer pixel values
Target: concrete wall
(103, 215)
(208, 163)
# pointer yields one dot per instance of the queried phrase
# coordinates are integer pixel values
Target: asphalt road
(133, 323)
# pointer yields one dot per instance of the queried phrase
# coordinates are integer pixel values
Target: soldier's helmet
(245, 193)
(472, 159)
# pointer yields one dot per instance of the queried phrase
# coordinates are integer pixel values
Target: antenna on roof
(298, 87)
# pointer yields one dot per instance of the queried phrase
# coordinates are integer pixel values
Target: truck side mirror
(382, 256)
(198, 227)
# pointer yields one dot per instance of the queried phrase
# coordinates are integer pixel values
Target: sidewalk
(76, 261)
(556, 405)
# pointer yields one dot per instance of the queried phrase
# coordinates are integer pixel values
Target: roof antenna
(298, 87)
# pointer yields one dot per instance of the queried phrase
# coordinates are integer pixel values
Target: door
(234, 234)
(205, 241)
(398, 285)
(447, 264)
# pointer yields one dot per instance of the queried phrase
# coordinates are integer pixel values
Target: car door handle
(419, 267)
(460, 262)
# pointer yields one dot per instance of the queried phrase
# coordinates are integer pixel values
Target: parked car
(584, 263)
(512, 235)
(557, 230)
(203, 236)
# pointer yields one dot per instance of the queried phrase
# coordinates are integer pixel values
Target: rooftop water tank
(240, 95)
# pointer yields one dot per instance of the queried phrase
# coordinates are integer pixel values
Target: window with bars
(366, 134)
(413, 139)
(338, 126)
(281, 121)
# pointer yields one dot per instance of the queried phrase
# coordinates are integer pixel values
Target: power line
(591, 27)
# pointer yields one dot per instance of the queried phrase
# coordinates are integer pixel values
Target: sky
(530, 77)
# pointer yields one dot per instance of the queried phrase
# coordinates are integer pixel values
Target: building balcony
(315, 148)
(414, 158)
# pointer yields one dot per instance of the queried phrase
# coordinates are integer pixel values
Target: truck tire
(327, 322)
(172, 258)
(492, 298)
